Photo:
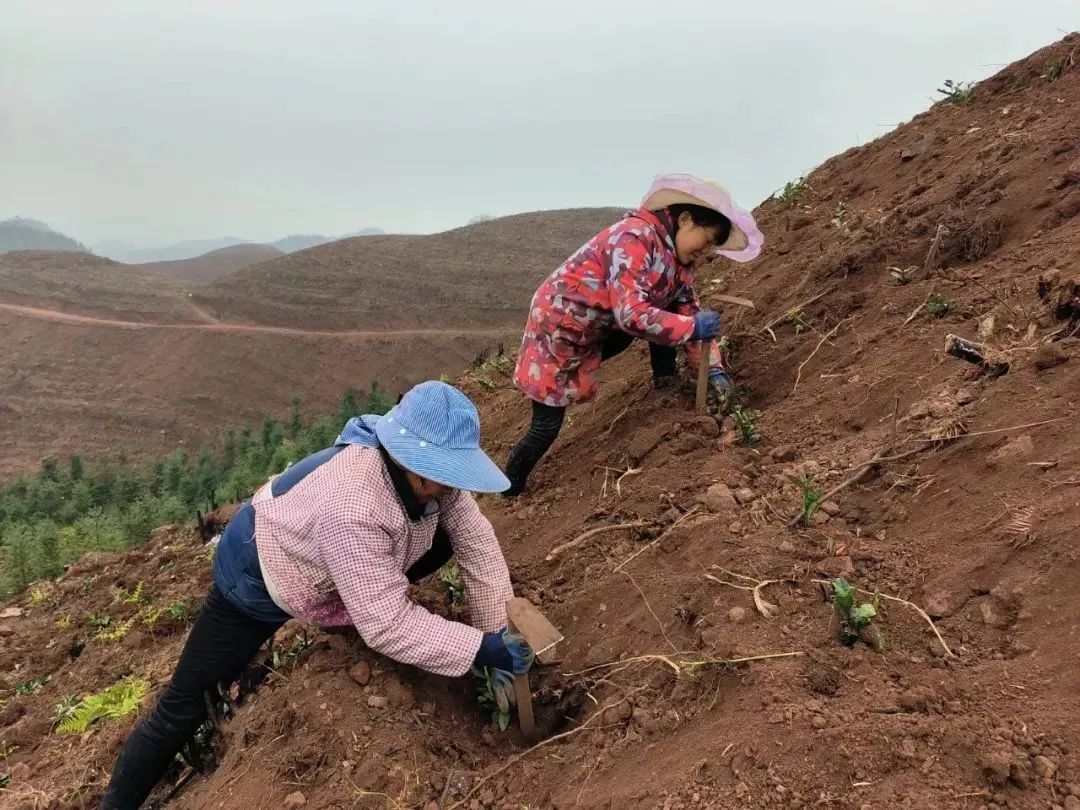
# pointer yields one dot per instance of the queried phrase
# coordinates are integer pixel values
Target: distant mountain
(19, 233)
(303, 241)
(189, 249)
(129, 254)
(215, 264)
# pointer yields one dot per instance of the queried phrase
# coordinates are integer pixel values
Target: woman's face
(692, 241)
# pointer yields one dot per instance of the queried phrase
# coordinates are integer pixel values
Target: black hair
(702, 217)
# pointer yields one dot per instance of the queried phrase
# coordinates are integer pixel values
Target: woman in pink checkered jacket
(335, 540)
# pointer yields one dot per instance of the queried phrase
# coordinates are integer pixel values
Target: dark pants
(222, 642)
(547, 420)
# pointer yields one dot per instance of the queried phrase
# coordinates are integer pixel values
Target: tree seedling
(811, 497)
(745, 420)
(958, 92)
(939, 306)
(33, 685)
(1054, 68)
(450, 584)
(840, 214)
(793, 192)
(855, 622)
(903, 275)
(115, 703)
(798, 319)
(486, 697)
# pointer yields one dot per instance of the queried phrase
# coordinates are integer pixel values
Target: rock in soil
(361, 673)
(1072, 803)
(296, 799)
(744, 495)
(1014, 449)
(6, 630)
(830, 508)
(1048, 357)
(737, 615)
(784, 453)
(378, 702)
(836, 566)
(996, 765)
(11, 613)
(1045, 767)
(718, 498)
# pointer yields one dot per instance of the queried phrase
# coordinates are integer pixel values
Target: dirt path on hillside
(212, 325)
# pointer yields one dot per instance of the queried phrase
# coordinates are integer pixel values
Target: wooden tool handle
(523, 694)
(704, 361)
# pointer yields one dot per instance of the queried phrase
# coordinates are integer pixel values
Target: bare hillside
(215, 264)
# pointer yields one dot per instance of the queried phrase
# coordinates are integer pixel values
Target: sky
(154, 122)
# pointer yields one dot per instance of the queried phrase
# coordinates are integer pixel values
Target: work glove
(504, 651)
(504, 655)
(706, 325)
(719, 388)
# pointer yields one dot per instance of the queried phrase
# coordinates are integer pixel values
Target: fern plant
(115, 703)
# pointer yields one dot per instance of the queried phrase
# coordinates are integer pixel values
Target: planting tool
(525, 618)
(733, 299)
(702, 402)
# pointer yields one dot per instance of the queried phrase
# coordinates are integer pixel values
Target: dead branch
(911, 605)
(821, 342)
(999, 430)
(679, 666)
(767, 327)
(585, 536)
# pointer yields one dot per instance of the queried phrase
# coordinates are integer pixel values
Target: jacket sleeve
(374, 591)
(631, 276)
(686, 303)
(483, 566)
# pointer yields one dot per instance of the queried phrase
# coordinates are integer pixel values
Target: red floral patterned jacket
(627, 278)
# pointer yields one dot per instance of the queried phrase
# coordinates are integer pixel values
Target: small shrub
(485, 696)
(33, 685)
(115, 632)
(792, 192)
(1054, 68)
(64, 622)
(746, 420)
(939, 306)
(840, 214)
(450, 584)
(958, 92)
(64, 709)
(811, 496)
(855, 621)
(283, 656)
(135, 597)
(797, 318)
(903, 275)
(115, 703)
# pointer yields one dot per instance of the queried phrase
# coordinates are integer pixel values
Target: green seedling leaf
(864, 614)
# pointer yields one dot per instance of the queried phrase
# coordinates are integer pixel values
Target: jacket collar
(414, 510)
(664, 224)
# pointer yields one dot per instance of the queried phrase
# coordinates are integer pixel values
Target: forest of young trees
(51, 518)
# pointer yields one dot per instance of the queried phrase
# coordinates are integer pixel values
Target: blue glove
(706, 325)
(504, 651)
(719, 380)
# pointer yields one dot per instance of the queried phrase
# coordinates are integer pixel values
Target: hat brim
(745, 241)
(737, 240)
(470, 469)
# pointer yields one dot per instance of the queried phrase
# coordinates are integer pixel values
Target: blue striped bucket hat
(434, 431)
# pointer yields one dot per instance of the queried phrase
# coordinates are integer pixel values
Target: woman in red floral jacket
(632, 280)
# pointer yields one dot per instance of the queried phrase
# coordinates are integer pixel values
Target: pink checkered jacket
(336, 547)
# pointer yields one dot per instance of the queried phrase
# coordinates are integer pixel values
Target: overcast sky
(153, 121)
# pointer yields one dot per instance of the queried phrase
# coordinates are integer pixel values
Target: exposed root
(764, 607)
(664, 534)
(584, 537)
(679, 666)
(824, 338)
(998, 430)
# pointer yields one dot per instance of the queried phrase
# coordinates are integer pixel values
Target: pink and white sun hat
(744, 243)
